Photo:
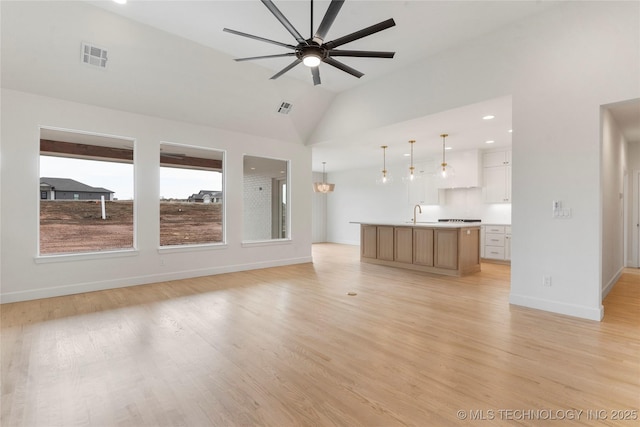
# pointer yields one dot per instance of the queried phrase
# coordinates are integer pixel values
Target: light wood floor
(288, 347)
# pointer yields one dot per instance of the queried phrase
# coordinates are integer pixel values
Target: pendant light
(323, 187)
(445, 170)
(385, 177)
(411, 176)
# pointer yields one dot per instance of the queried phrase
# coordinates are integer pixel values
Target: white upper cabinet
(497, 176)
(496, 158)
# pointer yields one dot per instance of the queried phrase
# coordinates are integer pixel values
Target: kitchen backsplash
(467, 203)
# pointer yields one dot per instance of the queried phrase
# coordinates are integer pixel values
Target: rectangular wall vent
(93, 55)
(285, 108)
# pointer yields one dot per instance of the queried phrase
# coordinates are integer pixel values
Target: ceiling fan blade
(360, 34)
(285, 69)
(361, 53)
(280, 55)
(327, 21)
(284, 21)
(315, 72)
(262, 39)
(343, 67)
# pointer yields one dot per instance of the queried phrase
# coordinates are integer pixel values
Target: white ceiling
(465, 126)
(423, 29)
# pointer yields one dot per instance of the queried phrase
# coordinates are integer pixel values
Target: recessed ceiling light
(120, 1)
(448, 148)
(489, 117)
(510, 130)
(406, 154)
(489, 141)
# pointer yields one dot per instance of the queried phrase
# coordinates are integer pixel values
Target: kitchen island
(451, 249)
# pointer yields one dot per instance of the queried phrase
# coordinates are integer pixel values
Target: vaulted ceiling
(193, 77)
(423, 28)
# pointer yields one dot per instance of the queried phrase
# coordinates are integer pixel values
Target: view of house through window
(86, 193)
(191, 195)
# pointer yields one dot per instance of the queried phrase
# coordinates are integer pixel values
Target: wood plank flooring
(288, 347)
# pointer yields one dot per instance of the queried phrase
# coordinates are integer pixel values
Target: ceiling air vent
(93, 55)
(285, 108)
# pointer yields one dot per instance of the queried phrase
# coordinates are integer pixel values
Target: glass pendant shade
(323, 187)
(444, 172)
(384, 177)
(411, 175)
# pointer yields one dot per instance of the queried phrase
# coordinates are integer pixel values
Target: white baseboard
(607, 288)
(141, 280)
(346, 242)
(581, 311)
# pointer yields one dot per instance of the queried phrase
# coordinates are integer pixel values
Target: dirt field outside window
(77, 226)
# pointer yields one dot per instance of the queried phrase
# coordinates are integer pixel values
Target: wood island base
(448, 250)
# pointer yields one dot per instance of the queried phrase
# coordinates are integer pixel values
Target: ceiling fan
(314, 50)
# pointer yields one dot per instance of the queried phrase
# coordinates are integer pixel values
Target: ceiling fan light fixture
(311, 60)
(314, 50)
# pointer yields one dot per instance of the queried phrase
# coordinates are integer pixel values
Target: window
(266, 216)
(86, 193)
(191, 195)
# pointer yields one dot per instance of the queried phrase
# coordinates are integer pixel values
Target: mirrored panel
(266, 199)
(191, 195)
(86, 192)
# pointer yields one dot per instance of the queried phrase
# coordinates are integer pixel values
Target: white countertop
(420, 224)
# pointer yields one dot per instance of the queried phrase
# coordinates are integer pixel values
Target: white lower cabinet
(496, 242)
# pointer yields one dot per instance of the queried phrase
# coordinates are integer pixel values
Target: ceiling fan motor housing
(312, 48)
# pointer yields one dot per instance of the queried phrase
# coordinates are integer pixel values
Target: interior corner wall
(23, 278)
(560, 66)
(614, 161)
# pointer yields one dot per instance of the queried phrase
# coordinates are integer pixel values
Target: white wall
(559, 69)
(24, 278)
(614, 164)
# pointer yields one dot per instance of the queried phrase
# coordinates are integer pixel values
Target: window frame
(40, 258)
(190, 148)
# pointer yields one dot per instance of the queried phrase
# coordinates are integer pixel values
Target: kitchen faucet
(414, 212)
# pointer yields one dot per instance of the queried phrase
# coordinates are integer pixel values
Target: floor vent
(93, 55)
(285, 108)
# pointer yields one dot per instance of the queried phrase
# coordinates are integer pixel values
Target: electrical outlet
(546, 281)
